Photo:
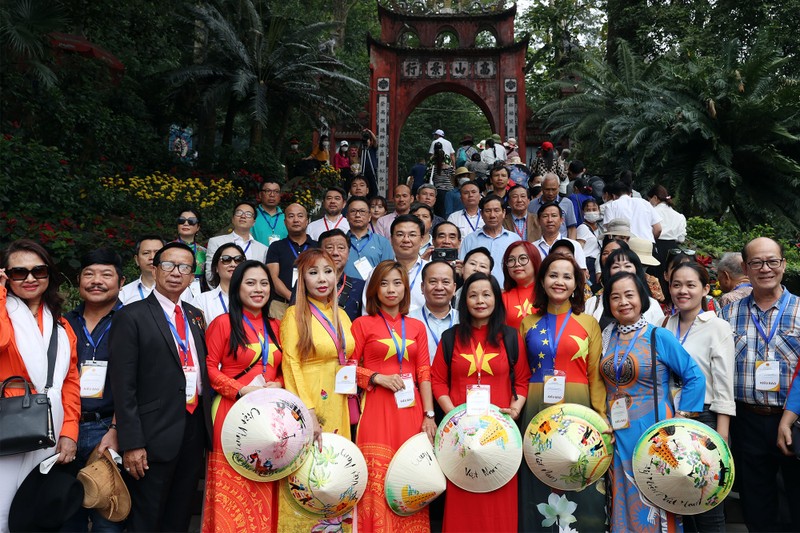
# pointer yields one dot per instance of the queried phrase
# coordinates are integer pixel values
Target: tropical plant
(24, 25)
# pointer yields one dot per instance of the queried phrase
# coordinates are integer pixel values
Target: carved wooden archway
(402, 76)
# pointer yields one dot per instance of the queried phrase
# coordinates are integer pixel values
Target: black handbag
(26, 422)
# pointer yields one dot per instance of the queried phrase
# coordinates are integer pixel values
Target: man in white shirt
(493, 236)
(243, 219)
(468, 219)
(550, 218)
(140, 288)
(447, 146)
(332, 218)
(402, 205)
(645, 221)
(438, 315)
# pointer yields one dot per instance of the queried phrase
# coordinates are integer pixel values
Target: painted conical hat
(267, 434)
(330, 482)
(565, 446)
(683, 466)
(413, 479)
(478, 453)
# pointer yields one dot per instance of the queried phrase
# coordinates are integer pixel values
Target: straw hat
(644, 249)
(104, 488)
(478, 453)
(267, 434)
(683, 466)
(462, 171)
(565, 446)
(413, 479)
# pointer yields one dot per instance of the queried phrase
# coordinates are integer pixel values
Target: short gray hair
(426, 186)
(731, 262)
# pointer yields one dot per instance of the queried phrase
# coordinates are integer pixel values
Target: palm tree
(24, 25)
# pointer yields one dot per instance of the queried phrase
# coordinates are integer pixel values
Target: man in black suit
(162, 396)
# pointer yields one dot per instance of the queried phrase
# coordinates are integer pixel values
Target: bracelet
(112, 426)
(372, 379)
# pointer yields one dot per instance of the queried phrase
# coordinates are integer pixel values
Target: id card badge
(272, 238)
(191, 383)
(554, 385)
(258, 381)
(478, 399)
(405, 397)
(768, 376)
(294, 278)
(346, 379)
(619, 413)
(363, 266)
(93, 378)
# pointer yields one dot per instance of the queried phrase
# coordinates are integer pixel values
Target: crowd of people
(518, 276)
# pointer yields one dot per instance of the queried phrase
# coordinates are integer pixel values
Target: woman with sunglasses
(188, 227)
(394, 370)
(521, 263)
(244, 355)
(214, 303)
(30, 319)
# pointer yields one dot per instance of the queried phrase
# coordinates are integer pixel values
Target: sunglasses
(226, 259)
(680, 251)
(21, 274)
(192, 221)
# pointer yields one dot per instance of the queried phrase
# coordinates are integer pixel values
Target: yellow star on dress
(583, 347)
(524, 309)
(256, 347)
(392, 351)
(477, 356)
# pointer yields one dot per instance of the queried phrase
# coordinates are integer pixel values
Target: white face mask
(293, 146)
(326, 144)
(592, 216)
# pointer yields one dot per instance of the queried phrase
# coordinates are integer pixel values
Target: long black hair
(215, 260)
(50, 297)
(236, 309)
(496, 320)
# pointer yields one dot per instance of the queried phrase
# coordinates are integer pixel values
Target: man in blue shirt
(492, 235)
(99, 282)
(367, 249)
(269, 226)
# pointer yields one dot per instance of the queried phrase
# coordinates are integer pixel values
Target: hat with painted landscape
(643, 249)
(414, 478)
(618, 227)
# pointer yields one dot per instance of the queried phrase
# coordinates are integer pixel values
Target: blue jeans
(89, 436)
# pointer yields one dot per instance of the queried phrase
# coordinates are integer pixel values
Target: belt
(763, 410)
(94, 416)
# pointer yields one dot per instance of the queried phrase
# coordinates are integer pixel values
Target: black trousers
(162, 499)
(758, 462)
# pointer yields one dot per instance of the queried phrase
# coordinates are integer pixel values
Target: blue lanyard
(678, 331)
(141, 292)
(425, 317)
(248, 246)
(183, 344)
(222, 301)
(400, 349)
(328, 325)
(775, 324)
(619, 362)
(475, 227)
(544, 252)
(550, 328)
(267, 217)
(89, 337)
(262, 340)
(294, 250)
(416, 275)
(359, 250)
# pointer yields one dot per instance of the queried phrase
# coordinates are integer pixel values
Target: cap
(440, 133)
(547, 146)
(566, 243)
(344, 144)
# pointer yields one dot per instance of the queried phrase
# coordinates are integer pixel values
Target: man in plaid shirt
(766, 327)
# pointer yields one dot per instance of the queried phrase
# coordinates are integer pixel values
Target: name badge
(405, 397)
(258, 381)
(294, 277)
(554, 385)
(363, 266)
(619, 413)
(478, 399)
(768, 376)
(272, 238)
(190, 373)
(93, 378)
(346, 379)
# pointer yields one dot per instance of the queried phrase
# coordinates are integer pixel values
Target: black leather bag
(26, 422)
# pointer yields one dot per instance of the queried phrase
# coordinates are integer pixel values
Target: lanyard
(416, 275)
(475, 227)
(775, 324)
(183, 344)
(544, 252)
(359, 250)
(263, 340)
(294, 250)
(89, 337)
(617, 361)
(425, 317)
(325, 220)
(248, 246)
(222, 301)
(141, 292)
(678, 331)
(339, 292)
(328, 325)
(399, 348)
(267, 217)
(478, 362)
(550, 328)
(525, 226)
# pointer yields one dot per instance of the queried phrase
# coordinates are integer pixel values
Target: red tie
(180, 326)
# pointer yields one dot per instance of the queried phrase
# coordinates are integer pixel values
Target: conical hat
(683, 466)
(330, 482)
(478, 453)
(565, 446)
(413, 479)
(267, 434)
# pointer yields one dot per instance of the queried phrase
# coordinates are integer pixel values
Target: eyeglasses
(21, 274)
(226, 259)
(243, 214)
(192, 221)
(169, 266)
(271, 191)
(361, 212)
(772, 264)
(522, 260)
(401, 235)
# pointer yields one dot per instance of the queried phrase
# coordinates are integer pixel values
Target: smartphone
(445, 254)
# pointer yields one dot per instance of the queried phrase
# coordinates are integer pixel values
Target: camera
(365, 136)
(445, 254)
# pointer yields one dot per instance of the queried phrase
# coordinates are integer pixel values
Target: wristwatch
(429, 414)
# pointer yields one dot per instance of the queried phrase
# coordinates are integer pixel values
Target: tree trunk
(207, 137)
(230, 118)
(256, 134)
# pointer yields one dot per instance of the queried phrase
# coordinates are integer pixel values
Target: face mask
(535, 190)
(326, 144)
(293, 146)
(591, 217)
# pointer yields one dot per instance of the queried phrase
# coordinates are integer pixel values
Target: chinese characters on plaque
(456, 69)
(383, 143)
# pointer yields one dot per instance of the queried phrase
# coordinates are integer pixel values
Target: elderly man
(517, 217)
(243, 219)
(765, 326)
(367, 249)
(550, 184)
(492, 235)
(468, 219)
(282, 254)
(732, 279)
(438, 314)
(349, 289)
(426, 194)
(402, 205)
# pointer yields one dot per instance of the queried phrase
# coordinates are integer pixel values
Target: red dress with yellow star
(519, 304)
(384, 427)
(463, 510)
(233, 502)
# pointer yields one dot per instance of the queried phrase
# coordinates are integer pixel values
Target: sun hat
(330, 482)
(468, 139)
(413, 479)
(103, 487)
(461, 171)
(683, 466)
(45, 501)
(565, 447)
(496, 138)
(644, 249)
(478, 453)
(512, 141)
(618, 227)
(267, 434)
